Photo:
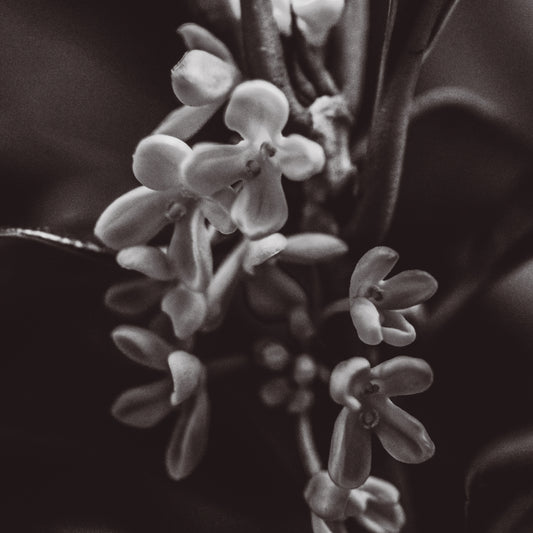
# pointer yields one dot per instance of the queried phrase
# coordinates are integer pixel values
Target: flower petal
(402, 435)
(157, 161)
(188, 373)
(312, 248)
(198, 38)
(402, 376)
(318, 17)
(142, 346)
(134, 297)
(299, 157)
(325, 499)
(189, 251)
(324, 526)
(261, 250)
(212, 167)
(381, 490)
(147, 260)
(366, 319)
(396, 330)
(406, 289)
(189, 438)
(257, 110)
(144, 406)
(350, 452)
(187, 121)
(371, 269)
(348, 382)
(186, 309)
(217, 210)
(202, 78)
(133, 218)
(261, 208)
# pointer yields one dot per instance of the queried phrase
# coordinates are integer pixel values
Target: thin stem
(307, 446)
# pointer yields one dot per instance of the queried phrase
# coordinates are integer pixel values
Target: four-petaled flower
(375, 505)
(365, 395)
(377, 305)
(258, 111)
(182, 390)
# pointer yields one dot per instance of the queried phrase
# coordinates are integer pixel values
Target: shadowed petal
(142, 346)
(217, 210)
(261, 250)
(402, 376)
(157, 161)
(324, 526)
(213, 167)
(187, 374)
(187, 121)
(147, 260)
(350, 440)
(189, 438)
(348, 381)
(299, 158)
(366, 319)
(189, 251)
(406, 289)
(311, 248)
(325, 499)
(261, 208)
(133, 218)
(257, 110)
(134, 297)
(144, 406)
(396, 330)
(371, 269)
(381, 490)
(186, 309)
(402, 435)
(199, 38)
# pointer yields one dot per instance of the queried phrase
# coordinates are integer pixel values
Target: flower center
(267, 150)
(253, 168)
(175, 211)
(374, 293)
(369, 418)
(371, 388)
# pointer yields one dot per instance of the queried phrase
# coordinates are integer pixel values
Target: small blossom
(377, 306)
(375, 505)
(181, 390)
(258, 111)
(202, 80)
(365, 393)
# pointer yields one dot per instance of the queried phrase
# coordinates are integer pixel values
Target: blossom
(365, 393)
(258, 111)
(375, 505)
(315, 18)
(202, 80)
(377, 306)
(182, 390)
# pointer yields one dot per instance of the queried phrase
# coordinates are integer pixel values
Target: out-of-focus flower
(258, 111)
(365, 393)
(202, 81)
(315, 18)
(377, 305)
(375, 505)
(182, 390)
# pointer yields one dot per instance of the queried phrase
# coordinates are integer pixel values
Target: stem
(264, 54)
(306, 445)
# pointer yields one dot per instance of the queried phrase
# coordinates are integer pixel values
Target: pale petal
(261, 208)
(157, 161)
(261, 250)
(257, 110)
(147, 260)
(186, 309)
(348, 381)
(189, 251)
(187, 374)
(371, 269)
(402, 435)
(299, 157)
(142, 346)
(318, 17)
(144, 406)
(217, 210)
(311, 248)
(366, 319)
(202, 78)
(133, 218)
(406, 289)
(213, 167)
(323, 526)
(350, 452)
(199, 38)
(281, 9)
(402, 376)
(134, 297)
(325, 499)
(187, 121)
(189, 438)
(396, 330)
